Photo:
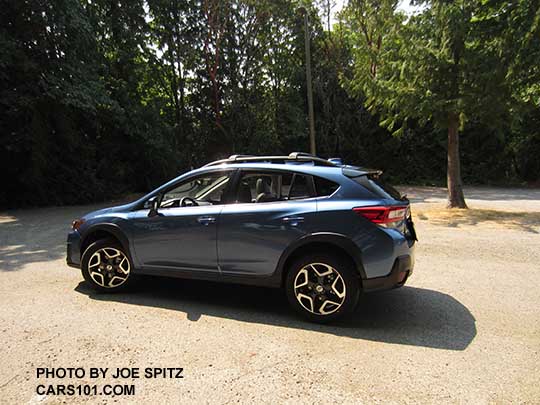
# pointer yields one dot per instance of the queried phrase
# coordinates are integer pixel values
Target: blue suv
(323, 231)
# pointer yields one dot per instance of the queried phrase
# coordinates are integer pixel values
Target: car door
(182, 237)
(252, 235)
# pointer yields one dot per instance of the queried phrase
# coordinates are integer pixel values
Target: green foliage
(476, 62)
(100, 98)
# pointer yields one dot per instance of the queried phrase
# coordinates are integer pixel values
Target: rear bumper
(73, 257)
(401, 271)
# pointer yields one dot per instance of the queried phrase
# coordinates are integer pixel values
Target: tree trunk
(455, 188)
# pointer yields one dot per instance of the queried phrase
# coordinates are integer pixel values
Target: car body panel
(177, 238)
(252, 237)
(378, 246)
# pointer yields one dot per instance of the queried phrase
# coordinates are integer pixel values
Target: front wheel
(106, 266)
(322, 288)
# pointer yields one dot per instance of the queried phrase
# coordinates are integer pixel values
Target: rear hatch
(395, 210)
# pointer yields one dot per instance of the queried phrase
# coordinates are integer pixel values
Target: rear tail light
(382, 215)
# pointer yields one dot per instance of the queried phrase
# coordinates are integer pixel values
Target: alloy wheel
(319, 288)
(109, 267)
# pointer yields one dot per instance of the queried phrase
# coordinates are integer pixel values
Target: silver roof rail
(235, 157)
(295, 156)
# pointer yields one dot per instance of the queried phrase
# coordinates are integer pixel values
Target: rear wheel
(322, 288)
(106, 266)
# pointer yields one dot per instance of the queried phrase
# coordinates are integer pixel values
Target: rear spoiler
(355, 171)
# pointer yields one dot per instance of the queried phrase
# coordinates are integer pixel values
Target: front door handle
(206, 220)
(293, 221)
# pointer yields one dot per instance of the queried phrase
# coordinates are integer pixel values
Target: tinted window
(260, 187)
(378, 187)
(205, 188)
(300, 187)
(324, 187)
(254, 184)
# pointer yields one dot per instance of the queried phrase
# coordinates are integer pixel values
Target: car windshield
(208, 190)
(205, 188)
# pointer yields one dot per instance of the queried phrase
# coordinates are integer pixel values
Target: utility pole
(312, 148)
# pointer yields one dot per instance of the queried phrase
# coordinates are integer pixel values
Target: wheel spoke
(95, 260)
(98, 278)
(340, 294)
(123, 266)
(113, 255)
(303, 273)
(325, 304)
(324, 273)
(306, 298)
(113, 284)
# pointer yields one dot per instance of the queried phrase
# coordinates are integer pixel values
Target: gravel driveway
(465, 329)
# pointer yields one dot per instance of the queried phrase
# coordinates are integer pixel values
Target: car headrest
(262, 187)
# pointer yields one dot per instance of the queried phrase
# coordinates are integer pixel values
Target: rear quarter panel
(377, 246)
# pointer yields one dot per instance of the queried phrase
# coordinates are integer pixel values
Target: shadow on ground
(31, 237)
(407, 316)
(37, 235)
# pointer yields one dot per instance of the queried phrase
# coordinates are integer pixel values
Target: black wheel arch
(327, 241)
(102, 231)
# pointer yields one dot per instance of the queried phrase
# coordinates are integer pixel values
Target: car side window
(260, 187)
(324, 187)
(301, 187)
(205, 190)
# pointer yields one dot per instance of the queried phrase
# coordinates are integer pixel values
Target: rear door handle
(293, 221)
(206, 220)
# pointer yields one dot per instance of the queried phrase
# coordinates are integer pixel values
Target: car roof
(300, 162)
(295, 167)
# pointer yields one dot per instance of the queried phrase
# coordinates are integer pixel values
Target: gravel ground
(464, 330)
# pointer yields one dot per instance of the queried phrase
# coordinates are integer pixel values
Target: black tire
(349, 286)
(113, 279)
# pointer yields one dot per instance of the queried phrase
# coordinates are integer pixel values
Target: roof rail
(235, 157)
(294, 156)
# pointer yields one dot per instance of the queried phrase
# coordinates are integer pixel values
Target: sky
(406, 7)
(403, 5)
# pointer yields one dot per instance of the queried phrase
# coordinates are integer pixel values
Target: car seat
(263, 192)
(244, 193)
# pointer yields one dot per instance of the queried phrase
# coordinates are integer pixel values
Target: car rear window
(324, 187)
(382, 188)
(374, 183)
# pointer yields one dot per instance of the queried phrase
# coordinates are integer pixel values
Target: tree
(513, 28)
(103, 97)
(431, 67)
(49, 96)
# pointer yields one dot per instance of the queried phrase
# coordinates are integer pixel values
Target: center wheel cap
(319, 288)
(109, 267)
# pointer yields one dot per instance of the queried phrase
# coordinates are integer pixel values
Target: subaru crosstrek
(323, 231)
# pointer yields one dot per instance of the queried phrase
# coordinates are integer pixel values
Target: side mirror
(154, 202)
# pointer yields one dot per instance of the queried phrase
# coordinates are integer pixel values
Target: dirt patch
(527, 221)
